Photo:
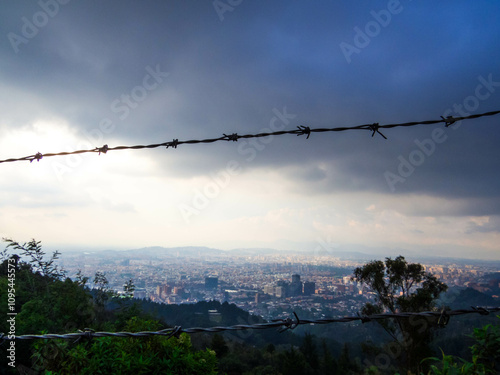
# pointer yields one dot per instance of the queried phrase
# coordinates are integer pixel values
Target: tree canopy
(400, 286)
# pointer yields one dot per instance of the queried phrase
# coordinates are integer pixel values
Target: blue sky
(82, 74)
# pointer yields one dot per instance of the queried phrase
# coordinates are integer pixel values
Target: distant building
(163, 291)
(280, 292)
(269, 289)
(309, 288)
(296, 286)
(257, 298)
(211, 283)
(140, 293)
(284, 290)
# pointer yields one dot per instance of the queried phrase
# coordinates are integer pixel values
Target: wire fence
(301, 130)
(442, 318)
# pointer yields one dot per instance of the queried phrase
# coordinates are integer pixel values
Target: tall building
(309, 288)
(280, 292)
(296, 286)
(284, 289)
(211, 283)
(257, 298)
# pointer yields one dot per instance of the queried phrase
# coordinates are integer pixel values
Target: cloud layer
(80, 75)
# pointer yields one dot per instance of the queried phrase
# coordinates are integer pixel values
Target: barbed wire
(301, 130)
(442, 316)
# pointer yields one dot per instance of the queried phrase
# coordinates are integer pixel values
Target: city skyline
(265, 284)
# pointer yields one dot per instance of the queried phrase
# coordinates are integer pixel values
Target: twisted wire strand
(301, 130)
(282, 324)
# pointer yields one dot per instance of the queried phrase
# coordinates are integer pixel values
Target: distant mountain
(187, 251)
(356, 253)
(256, 251)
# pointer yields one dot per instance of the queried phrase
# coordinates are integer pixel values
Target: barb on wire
(449, 120)
(102, 149)
(443, 319)
(283, 324)
(232, 137)
(364, 319)
(289, 324)
(176, 332)
(302, 130)
(480, 310)
(172, 144)
(36, 157)
(375, 129)
(87, 334)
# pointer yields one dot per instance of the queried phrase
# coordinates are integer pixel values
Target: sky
(81, 74)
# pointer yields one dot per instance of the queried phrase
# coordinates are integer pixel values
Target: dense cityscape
(265, 283)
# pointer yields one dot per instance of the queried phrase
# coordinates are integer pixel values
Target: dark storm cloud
(230, 76)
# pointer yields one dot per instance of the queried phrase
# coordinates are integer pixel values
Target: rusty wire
(442, 316)
(301, 130)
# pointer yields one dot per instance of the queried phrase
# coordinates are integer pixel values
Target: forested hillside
(48, 302)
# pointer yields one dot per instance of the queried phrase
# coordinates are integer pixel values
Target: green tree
(328, 365)
(346, 366)
(485, 355)
(44, 302)
(487, 346)
(308, 349)
(400, 286)
(292, 362)
(129, 288)
(219, 345)
(33, 250)
(115, 355)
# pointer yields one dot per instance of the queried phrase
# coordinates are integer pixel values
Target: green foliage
(33, 250)
(129, 288)
(400, 286)
(487, 346)
(81, 279)
(395, 284)
(110, 355)
(219, 345)
(293, 362)
(485, 355)
(308, 349)
(45, 302)
(449, 366)
(328, 365)
(345, 364)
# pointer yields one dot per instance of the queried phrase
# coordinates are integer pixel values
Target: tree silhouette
(400, 286)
